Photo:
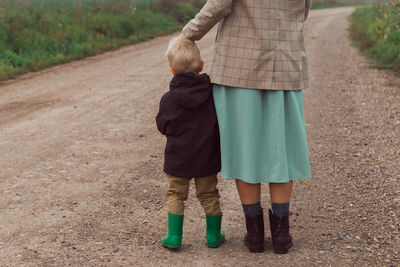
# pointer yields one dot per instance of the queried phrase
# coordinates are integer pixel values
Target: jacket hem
(272, 88)
(192, 175)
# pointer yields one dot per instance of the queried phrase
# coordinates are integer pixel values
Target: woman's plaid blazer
(259, 44)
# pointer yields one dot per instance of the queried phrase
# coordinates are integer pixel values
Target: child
(188, 119)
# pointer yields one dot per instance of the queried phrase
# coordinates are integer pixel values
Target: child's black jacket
(188, 119)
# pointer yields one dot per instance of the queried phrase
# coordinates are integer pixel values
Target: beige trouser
(206, 192)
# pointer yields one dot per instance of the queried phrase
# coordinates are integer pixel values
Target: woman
(259, 69)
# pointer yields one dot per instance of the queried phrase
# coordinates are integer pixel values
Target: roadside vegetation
(35, 34)
(317, 4)
(329, 4)
(376, 31)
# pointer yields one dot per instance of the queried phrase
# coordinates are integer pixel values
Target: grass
(330, 4)
(318, 4)
(35, 34)
(376, 31)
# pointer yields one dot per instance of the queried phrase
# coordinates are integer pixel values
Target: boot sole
(257, 249)
(283, 250)
(214, 246)
(171, 247)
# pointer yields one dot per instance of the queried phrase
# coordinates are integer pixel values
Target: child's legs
(176, 194)
(207, 194)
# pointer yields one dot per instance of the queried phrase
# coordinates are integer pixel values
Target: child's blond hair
(184, 56)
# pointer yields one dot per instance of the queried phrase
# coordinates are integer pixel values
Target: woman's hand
(211, 13)
(180, 37)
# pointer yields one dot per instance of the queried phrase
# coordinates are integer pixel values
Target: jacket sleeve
(212, 12)
(162, 118)
(308, 7)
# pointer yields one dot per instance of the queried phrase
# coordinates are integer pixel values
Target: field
(35, 34)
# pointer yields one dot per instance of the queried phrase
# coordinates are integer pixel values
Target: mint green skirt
(263, 135)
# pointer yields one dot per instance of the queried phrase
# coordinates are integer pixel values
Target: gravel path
(81, 164)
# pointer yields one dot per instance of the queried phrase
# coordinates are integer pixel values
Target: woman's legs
(250, 197)
(279, 216)
(280, 192)
(251, 193)
(248, 193)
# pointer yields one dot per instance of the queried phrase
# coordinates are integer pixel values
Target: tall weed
(376, 30)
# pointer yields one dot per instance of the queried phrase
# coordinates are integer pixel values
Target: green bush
(9, 58)
(376, 30)
(183, 12)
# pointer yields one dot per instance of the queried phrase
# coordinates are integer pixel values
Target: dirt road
(81, 178)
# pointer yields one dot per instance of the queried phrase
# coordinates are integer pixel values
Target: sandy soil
(81, 178)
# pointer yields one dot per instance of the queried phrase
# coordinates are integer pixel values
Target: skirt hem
(269, 180)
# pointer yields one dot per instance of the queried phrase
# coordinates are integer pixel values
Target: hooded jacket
(188, 119)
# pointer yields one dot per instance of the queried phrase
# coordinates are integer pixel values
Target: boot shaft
(175, 224)
(278, 224)
(254, 239)
(281, 239)
(175, 228)
(255, 225)
(215, 237)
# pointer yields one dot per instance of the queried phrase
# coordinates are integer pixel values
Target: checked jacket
(259, 43)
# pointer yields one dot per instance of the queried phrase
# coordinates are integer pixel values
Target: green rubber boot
(215, 237)
(174, 238)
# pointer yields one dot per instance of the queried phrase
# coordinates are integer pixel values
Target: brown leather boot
(281, 239)
(254, 239)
